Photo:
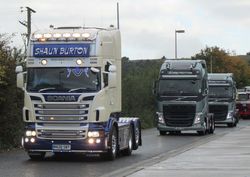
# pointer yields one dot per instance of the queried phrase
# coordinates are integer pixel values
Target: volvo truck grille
(179, 115)
(220, 112)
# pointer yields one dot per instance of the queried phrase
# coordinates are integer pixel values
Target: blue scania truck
(72, 94)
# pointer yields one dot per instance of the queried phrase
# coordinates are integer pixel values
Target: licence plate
(61, 147)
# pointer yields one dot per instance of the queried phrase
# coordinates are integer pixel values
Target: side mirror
(19, 69)
(112, 76)
(155, 87)
(205, 92)
(112, 68)
(19, 81)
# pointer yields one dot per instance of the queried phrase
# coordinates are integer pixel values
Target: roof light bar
(66, 35)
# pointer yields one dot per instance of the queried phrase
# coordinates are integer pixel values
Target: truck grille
(61, 131)
(219, 111)
(179, 115)
(61, 112)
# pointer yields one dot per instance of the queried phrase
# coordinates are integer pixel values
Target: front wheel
(201, 133)
(162, 133)
(113, 143)
(36, 155)
(212, 126)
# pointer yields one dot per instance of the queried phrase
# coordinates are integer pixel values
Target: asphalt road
(17, 164)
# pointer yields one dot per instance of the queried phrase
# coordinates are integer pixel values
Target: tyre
(162, 132)
(212, 126)
(36, 155)
(230, 124)
(128, 151)
(113, 143)
(201, 133)
(136, 136)
(204, 132)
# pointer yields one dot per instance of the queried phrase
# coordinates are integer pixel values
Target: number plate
(61, 147)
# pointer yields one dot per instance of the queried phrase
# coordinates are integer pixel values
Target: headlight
(95, 134)
(198, 117)
(30, 133)
(230, 115)
(160, 118)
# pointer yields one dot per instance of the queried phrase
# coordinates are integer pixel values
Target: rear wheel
(113, 143)
(128, 151)
(36, 155)
(136, 136)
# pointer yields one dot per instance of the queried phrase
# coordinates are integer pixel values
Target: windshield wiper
(45, 89)
(81, 89)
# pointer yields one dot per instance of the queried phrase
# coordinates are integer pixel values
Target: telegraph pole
(118, 18)
(27, 23)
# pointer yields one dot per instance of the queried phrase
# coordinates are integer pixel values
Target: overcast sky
(147, 26)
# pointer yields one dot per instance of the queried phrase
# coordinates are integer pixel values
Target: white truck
(72, 94)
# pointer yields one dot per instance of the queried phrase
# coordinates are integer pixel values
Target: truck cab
(243, 103)
(182, 97)
(72, 94)
(222, 98)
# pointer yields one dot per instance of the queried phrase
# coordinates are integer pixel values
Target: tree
(220, 61)
(10, 112)
(138, 100)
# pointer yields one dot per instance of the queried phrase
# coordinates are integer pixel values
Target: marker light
(66, 35)
(76, 35)
(79, 61)
(57, 35)
(42, 39)
(37, 36)
(85, 35)
(44, 62)
(47, 35)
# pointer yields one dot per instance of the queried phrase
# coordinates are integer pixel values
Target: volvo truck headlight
(160, 117)
(198, 117)
(230, 115)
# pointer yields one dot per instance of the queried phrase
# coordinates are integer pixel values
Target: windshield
(220, 92)
(70, 79)
(243, 97)
(179, 87)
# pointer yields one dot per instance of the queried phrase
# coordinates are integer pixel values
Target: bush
(138, 100)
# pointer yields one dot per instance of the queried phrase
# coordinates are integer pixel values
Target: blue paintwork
(78, 145)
